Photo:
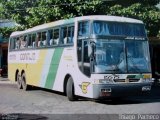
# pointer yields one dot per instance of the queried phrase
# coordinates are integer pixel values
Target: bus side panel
(12, 67)
(30, 62)
(47, 68)
(68, 65)
(62, 69)
(34, 70)
(47, 59)
(50, 67)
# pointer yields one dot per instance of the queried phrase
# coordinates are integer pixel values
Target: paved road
(40, 101)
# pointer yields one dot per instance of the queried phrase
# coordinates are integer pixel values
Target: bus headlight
(145, 80)
(103, 81)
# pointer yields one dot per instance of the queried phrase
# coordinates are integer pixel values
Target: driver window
(83, 58)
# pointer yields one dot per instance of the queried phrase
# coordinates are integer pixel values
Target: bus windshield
(121, 56)
(117, 28)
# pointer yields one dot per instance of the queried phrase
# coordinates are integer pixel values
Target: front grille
(124, 80)
(119, 80)
(133, 80)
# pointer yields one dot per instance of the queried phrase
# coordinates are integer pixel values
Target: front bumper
(120, 90)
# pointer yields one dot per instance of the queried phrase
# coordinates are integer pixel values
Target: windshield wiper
(114, 68)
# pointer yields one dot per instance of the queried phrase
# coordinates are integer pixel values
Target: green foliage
(34, 12)
(6, 31)
(1, 12)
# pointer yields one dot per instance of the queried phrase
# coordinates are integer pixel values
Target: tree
(5, 32)
(34, 12)
(1, 12)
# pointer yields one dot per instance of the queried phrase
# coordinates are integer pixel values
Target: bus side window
(23, 42)
(63, 35)
(83, 28)
(17, 43)
(44, 39)
(30, 41)
(55, 37)
(12, 43)
(34, 44)
(67, 34)
(38, 40)
(26, 41)
(50, 37)
(70, 34)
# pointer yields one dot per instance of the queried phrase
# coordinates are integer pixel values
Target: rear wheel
(19, 81)
(24, 84)
(70, 90)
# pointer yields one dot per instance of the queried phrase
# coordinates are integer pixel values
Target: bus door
(83, 58)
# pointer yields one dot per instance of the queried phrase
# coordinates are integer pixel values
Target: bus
(97, 57)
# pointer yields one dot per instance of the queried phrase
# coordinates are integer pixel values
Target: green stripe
(135, 76)
(53, 68)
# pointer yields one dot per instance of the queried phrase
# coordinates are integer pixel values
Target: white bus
(90, 56)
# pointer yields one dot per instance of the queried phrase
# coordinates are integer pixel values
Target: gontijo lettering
(27, 56)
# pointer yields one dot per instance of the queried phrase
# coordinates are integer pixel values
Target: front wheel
(70, 90)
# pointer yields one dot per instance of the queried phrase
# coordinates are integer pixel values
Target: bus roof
(71, 20)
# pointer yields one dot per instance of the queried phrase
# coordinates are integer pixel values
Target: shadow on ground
(152, 97)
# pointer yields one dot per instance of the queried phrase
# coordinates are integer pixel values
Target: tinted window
(117, 28)
(83, 28)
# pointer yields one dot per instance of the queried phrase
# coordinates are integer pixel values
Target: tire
(70, 90)
(24, 85)
(19, 81)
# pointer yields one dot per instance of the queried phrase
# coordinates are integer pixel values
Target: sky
(158, 5)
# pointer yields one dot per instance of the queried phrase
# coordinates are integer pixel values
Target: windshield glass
(114, 56)
(137, 56)
(117, 28)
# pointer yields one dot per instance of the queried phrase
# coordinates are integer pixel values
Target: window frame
(32, 36)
